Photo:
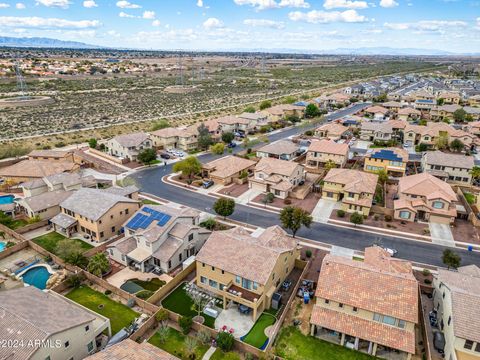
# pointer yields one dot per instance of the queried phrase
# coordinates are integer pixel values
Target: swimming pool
(3, 245)
(6, 199)
(36, 276)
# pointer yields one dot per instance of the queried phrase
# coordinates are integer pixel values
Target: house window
(90, 347)
(401, 324)
(203, 279)
(355, 309)
(169, 264)
(255, 285)
(388, 320)
(101, 234)
(87, 328)
(327, 301)
(449, 320)
(67, 344)
(237, 279)
(213, 268)
(438, 204)
(113, 229)
(477, 347)
(223, 272)
(350, 194)
(126, 211)
(179, 257)
(468, 345)
(340, 305)
(377, 317)
(111, 216)
(246, 284)
(190, 237)
(221, 286)
(213, 283)
(404, 215)
(123, 257)
(99, 221)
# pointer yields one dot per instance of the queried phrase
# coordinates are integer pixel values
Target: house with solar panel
(392, 160)
(160, 238)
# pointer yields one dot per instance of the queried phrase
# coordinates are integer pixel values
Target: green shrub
(185, 323)
(388, 218)
(108, 292)
(287, 201)
(225, 341)
(144, 294)
(341, 213)
(308, 253)
(426, 272)
(209, 224)
(309, 133)
(427, 281)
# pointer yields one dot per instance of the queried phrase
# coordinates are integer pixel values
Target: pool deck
(22, 255)
(125, 274)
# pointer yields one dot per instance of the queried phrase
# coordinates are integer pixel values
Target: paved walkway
(234, 319)
(209, 353)
(441, 234)
(125, 274)
(323, 209)
(248, 195)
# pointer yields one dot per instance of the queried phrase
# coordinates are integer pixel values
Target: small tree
(92, 143)
(225, 341)
(185, 323)
(98, 264)
(189, 167)
(162, 316)
(249, 109)
(162, 333)
(147, 156)
(311, 111)
(224, 207)
(421, 147)
(442, 141)
(329, 165)
(265, 104)
(217, 149)
(451, 259)
(160, 124)
(440, 101)
(459, 115)
(456, 145)
(199, 301)
(204, 138)
(228, 137)
(356, 218)
(190, 345)
(475, 172)
(293, 218)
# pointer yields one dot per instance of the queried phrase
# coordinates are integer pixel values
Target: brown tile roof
(37, 168)
(333, 129)
(425, 184)
(328, 147)
(131, 350)
(130, 140)
(126, 245)
(464, 285)
(352, 325)
(389, 104)
(228, 166)
(237, 252)
(409, 111)
(376, 109)
(353, 180)
(272, 166)
(380, 284)
(280, 147)
(167, 249)
(384, 127)
(46, 200)
(449, 159)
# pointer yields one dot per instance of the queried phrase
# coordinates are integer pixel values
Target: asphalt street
(149, 180)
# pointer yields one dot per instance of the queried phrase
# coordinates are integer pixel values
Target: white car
(391, 252)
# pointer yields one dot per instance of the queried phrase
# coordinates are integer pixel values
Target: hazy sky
(452, 25)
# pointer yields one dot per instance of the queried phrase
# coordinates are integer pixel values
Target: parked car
(439, 341)
(391, 251)
(165, 156)
(231, 145)
(207, 183)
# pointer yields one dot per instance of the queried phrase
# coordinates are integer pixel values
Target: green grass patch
(49, 242)
(151, 285)
(291, 344)
(220, 355)
(356, 258)
(120, 315)
(16, 224)
(175, 345)
(149, 202)
(272, 311)
(179, 302)
(256, 336)
(469, 197)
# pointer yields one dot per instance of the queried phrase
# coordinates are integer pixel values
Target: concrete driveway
(247, 196)
(323, 209)
(441, 234)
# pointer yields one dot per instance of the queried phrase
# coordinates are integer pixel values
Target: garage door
(257, 186)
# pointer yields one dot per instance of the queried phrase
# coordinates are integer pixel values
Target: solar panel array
(386, 155)
(143, 221)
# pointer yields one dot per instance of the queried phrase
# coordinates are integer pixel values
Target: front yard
(291, 344)
(256, 336)
(120, 315)
(174, 343)
(179, 302)
(50, 241)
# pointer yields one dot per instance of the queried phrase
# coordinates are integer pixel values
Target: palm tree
(98, 264)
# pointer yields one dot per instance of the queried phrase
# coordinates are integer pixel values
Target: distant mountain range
(41, 42)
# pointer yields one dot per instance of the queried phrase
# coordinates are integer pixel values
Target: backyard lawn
(120, 315)
(220, 355)
(256, 336)
(291, 344)
(49, 241)
(179, 302)
(175, 345)
(18, 223)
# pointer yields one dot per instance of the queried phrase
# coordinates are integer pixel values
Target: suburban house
(423, 197)
(235, 124)
(45, 205)
(276, 176)
(246, 269)
(279, 112)
(27, 170)
(393, 106)
(417, 134)
(456, 298)
(56, 155)
(444, 111)
(281, 149)
(378, 313)
(93, 213)
(392, 160)
(377, 112)
(474, 100)
(61, 181)
(454, 168)
(131, 350)
(228, 169)
(408, 113)
(159, 236)
(128, 146)
(449, 97)
(30, 315)
(374, 131)
(424, 104)
(422, 94)
(354, 188)
(183, 138)
(258, 118)
(321, 152)
(473, 128)
(474, 112)
(326, 100)
(331, 131)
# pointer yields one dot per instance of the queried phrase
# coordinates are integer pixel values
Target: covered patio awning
(139, 255)
(64, 221)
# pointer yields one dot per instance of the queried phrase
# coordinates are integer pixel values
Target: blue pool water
(6, 199)
(3, 244)
(37, 277)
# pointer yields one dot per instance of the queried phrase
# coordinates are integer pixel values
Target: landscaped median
(256, 336)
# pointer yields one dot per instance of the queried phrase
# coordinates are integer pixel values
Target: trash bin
(276, 301)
